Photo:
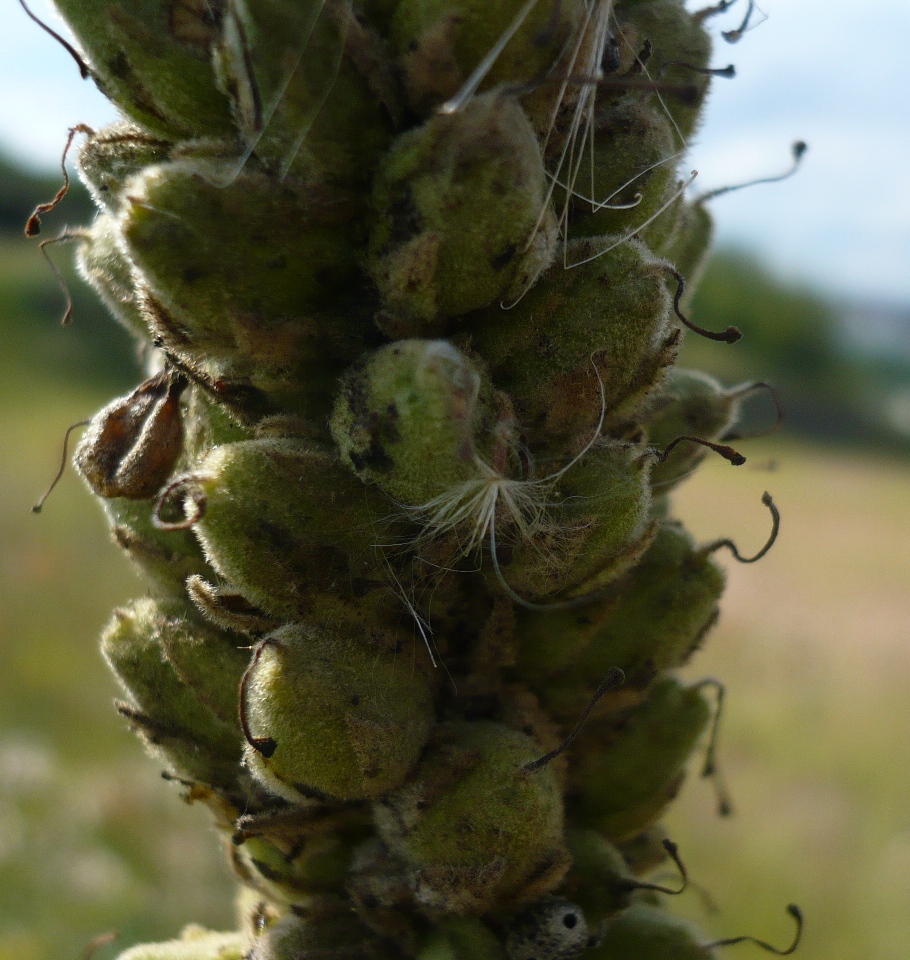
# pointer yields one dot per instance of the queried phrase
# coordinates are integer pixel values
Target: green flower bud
(339, 705)
(195, 943)
(462, 220)
(624, 772)
(133, 444)
(175, 721)
(475, 828)
(113, 155)
(649, 933)
(550, 929)
(106, 268)
(651, 621)
(441, 43)
(280, 521)
(418, 419)
(613, 313)
(153, 59)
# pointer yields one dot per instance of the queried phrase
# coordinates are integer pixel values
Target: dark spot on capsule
(502, 260)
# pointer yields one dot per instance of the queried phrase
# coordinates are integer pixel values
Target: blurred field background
(812, 643)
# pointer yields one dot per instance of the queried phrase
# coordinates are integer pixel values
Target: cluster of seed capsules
(408, 276)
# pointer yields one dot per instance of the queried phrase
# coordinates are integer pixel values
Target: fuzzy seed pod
(153, 59)
(319, 521)
(336, 706)
(598, 526)
(309, 88)
(473, 826)
(651, 621)
(584, 342)
(106, 268)
(689, 248)
(113, 155)
(293, 255)
(634, 167)
(462, 220)
(634, 767)
(173, 718)
(649, 933)
(440, 44)
(419, 419)
(676, 37)
(691, 404)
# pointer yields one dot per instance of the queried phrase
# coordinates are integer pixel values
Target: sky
(834, 73)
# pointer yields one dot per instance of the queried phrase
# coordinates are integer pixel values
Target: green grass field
(812, 645)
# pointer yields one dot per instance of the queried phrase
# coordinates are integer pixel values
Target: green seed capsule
(105, 267)
(595, 527)
(690, 404)
(320, 937)
(153, 59)
(339, 705)
(473, 826)
(613, 312)
(689, 247)
(649, 933)
(163, 558)
(677, 37)
(305, 873)
(418, 419)
(625, 772)
(172, 716)
(462, 220)
(195, 943)
(282, 522)
(210, 662)
(651, 621)
(634, 162)
(441, 44)
(600, 880)
(311, 90)
(461, 938)
(113, 155)
(254, 289)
